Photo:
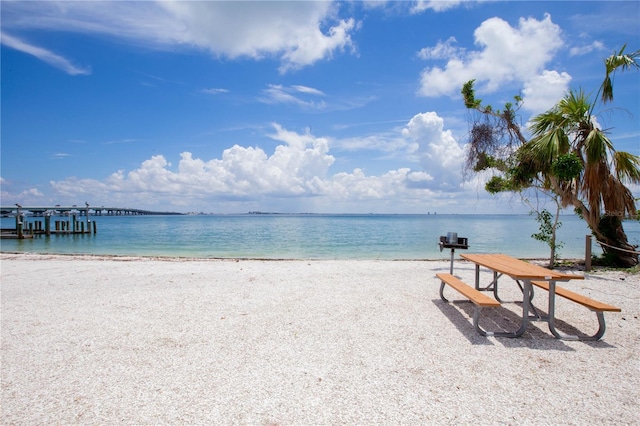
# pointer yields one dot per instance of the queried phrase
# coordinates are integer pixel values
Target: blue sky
(298, 106)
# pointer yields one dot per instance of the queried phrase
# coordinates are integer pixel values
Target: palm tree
(569, 158)
(580, 165)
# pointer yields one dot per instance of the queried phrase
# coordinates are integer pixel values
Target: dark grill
(453, 242)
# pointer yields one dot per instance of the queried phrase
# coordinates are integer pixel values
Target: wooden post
(95, 229)
(19, 228)
(47, 225)
(587, 253)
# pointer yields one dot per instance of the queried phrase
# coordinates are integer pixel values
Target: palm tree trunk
(614, 243)
(610, 235)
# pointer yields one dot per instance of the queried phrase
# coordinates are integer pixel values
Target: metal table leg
(524, 324)
(526, 303)
(493, 285)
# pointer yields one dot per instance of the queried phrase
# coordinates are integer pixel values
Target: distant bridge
(85, 210)
(27, 225)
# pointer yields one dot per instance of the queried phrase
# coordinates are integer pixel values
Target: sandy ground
(91, 340)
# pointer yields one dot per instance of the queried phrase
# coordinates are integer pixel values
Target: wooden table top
(515, 268)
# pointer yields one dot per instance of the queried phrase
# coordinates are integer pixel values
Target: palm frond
(544, 122)
(593, 184)
(618, 199)
(614, 62)
(627, 166)
(597, 146)
(571, 114)
(544, 149)
(576, 108)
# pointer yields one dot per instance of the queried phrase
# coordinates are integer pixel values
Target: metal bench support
(552, 321)
(477, 308)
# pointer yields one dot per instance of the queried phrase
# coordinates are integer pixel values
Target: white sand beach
(140, 341)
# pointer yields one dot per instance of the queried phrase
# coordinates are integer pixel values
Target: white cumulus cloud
(292, 170)
(506, 54)
(543, 91)
(299, 33)
(586, 49)
(442, 50)
(438, 151)
(299, 170)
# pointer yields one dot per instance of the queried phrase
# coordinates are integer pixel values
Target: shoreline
(303, 238)
(101, 340)
(125, 257)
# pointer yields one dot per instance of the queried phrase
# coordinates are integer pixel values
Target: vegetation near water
(568, 159)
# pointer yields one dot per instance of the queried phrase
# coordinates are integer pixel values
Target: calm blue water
(310, 236)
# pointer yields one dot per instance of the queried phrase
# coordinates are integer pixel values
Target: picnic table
(526, 275)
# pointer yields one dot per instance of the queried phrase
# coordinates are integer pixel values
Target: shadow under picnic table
(460, 314)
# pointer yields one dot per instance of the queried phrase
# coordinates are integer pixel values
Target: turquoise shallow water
(310, 236)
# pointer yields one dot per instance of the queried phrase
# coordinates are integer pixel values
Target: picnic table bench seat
(476, 297)
(585, 301)
(466, 290)
(598, 307)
